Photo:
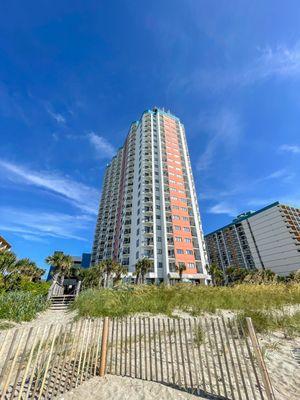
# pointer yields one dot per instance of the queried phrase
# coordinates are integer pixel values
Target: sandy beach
(279, 354)
(121, 388)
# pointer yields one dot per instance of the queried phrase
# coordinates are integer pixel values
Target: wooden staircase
(62, 302)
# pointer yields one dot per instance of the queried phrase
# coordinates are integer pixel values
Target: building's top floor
(136, 123)
(249, 214)
(4, 245)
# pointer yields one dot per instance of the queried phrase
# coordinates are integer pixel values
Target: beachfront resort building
(266, 239)
(4, 245)
(148, 205)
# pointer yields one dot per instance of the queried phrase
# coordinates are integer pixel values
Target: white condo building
(149, 206)
(265, 239)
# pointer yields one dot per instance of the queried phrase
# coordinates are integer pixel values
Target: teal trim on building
(243, 217)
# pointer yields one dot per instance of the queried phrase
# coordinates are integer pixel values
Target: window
(138, 232)
(176, 217)
(188, 240)
(177, 228)
(158, 227)
(186, 229)
(137, 255)
(191, 265)
(137, 243)
(179, 251)
(160, 265)
(189, 252)
(178, 239)
(185, 218)
(159, 238)
(159, 251)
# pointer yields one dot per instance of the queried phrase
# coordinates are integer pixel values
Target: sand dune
(120, 388)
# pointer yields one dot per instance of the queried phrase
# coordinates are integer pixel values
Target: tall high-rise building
(265, 239)
(149, 205)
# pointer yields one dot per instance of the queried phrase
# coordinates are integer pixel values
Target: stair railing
(78, 287)
(56, 289)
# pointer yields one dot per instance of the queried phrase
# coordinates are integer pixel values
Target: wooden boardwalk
(210, 357)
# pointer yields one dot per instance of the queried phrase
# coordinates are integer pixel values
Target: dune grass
(255, 301)
(21, 306)
(192, 299)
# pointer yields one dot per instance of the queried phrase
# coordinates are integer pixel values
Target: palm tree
(97, 274)
(118, 272)
(7, 261)
(61, 263)
(217, 275)
(28, 268)
(180, 268)
(142, 267)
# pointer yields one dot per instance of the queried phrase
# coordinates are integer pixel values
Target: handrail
(78, 287)
(56, 289)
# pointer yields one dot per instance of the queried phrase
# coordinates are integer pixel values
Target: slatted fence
(204, 356)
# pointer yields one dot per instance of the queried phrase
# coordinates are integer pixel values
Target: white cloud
(103, 148)
(38, 225)
(223, 208)
(295, 149)
(281, 62)
(59, 118)
(80, 195)
(225, 130)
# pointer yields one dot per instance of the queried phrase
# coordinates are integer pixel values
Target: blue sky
(74, 75)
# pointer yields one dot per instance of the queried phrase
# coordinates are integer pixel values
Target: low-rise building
(82, 261)
(265, 239)
(4, 245)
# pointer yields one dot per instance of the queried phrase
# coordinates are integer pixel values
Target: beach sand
(279, 354)
(282, 364)
(121, 388)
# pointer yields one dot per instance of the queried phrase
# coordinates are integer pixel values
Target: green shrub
(21, 306)
(37, 288)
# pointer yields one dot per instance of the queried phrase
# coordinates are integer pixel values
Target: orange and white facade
(149, 206)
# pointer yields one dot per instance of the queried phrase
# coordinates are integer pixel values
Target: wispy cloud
(36, 225)
(225, 130)
(59, 118)
(295, 149)
(284, 175)
(103, 148)
(223, 208)
(80, 195)
(280, 62)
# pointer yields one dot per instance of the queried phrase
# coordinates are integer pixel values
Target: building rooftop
(4, 243)
(244, 216)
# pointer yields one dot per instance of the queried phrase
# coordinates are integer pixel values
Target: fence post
(260, 360)
(103, 356)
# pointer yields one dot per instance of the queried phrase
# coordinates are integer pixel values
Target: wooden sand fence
(211, 357)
